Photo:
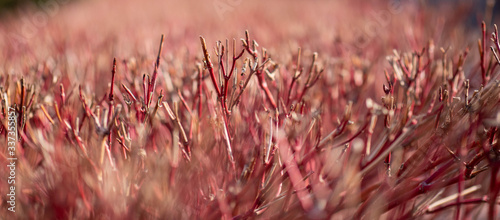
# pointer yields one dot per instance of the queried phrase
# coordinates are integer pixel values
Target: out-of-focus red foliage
(322, 109)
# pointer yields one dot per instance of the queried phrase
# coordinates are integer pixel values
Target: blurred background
(281, 20)
(38, 30)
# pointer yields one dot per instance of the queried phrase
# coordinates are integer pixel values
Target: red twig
(129, 92)
(200, 80)
(298, 72)
(227, 77)
(152, 83)
(111, 97)
(258, 71)
(314, 75)
(209, 65)
(482, 50)
(263, 85)
(111, 103)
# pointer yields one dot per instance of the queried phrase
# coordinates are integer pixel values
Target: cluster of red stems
(241, 136)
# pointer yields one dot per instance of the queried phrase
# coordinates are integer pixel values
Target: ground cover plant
(139, 117)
